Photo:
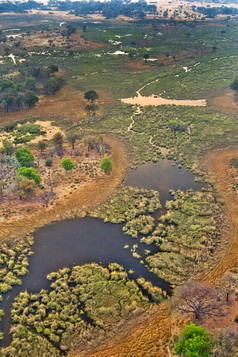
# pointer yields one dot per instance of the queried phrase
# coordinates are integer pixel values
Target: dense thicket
(27, 84)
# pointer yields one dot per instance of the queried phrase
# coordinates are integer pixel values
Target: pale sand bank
(156, 100)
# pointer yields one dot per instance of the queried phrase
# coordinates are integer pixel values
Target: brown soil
(67, 104)
(76, 41)
(81, 200)
(150, 338)
(225, 102)
(221, 175)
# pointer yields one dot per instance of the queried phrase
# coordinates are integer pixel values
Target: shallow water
(84, 240)
(162, 176)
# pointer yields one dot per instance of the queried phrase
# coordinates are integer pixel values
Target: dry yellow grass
(83, 199)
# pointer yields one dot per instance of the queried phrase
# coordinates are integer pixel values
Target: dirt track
(220, 174)
(151, 337)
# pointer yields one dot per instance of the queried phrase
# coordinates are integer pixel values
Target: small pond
(162, 176)
(84, 240)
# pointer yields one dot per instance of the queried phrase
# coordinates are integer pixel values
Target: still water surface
(84, 240)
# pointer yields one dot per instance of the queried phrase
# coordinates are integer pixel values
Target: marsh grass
(187, 235)
(82, 303)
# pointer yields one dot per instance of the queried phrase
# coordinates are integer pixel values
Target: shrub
(25, 157)
(234, 84)
(67, 164)
(29, 173)
(234, 162)
(194, 341)
(29, 128)
(26, 186)
(48, 162)
(58, 139)
(106, 164)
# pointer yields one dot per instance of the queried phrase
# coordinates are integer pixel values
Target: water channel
(84, 240)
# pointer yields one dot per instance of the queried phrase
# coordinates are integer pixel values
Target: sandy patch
(50, 129)
(46, 126)
(156, 100)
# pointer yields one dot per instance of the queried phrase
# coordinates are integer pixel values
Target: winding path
(156, 100)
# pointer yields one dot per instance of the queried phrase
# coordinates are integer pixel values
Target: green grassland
(87, 300)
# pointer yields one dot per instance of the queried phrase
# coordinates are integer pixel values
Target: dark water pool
(162, 176)
(84, 240)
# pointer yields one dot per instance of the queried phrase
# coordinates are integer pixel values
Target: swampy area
(118, 180)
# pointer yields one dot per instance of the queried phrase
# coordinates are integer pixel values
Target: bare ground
(67, 104)
(81, 200)
(221, 175)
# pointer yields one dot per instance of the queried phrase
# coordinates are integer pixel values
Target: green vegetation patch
(142, 224)
(83, 303)
(128, 203)
(187, 235)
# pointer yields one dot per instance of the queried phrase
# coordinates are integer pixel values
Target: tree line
(109, 9)
(24, 89)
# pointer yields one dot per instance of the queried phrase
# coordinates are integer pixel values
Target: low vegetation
(187, 235)
(82, 303)
(194, 340)
(127, 204)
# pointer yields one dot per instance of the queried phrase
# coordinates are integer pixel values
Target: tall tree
(91, 95)
(199, 300)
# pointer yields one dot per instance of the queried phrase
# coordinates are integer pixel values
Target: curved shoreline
(83, 199)
(152, 334)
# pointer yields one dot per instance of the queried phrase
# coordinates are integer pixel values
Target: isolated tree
(8, 147)
(91, 95)
(42, 145)
(106, 164)
(72, 137)
(47, 197)
(25, 187)
(67, 164)
(30, 173)
(24, 157)
(58, 139)
(146, 56)
(199, 300)
(194, 341)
